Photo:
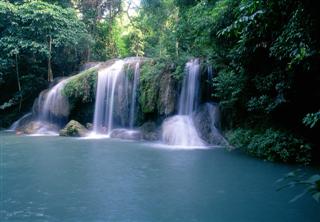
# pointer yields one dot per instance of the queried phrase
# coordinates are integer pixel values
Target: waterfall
(189, 95)
(49, 112)
(55, 105)
(180, 130)
(17, 123)
(134, 95)
(104, 104)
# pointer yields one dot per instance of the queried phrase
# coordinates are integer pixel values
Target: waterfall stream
(180, 130)
(116, 96)
(17, 123)
(103, 113)
(189, 95)
(134, 95)
(54, 105)
(49, 112)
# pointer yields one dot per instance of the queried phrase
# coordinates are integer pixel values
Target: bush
(271, 144)
(149, 86)
(82, 87)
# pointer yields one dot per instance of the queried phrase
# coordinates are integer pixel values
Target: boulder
(150, 131)
(207, 122)
(74, 128)
(89, 126)
(126, 134)
(33, 127)
(169, 94)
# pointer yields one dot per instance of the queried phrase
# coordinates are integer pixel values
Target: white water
(134, 95)
(189, 95)
(104, 105)
(49, 108)
(55, 104)
(17, 123)
(179, 130)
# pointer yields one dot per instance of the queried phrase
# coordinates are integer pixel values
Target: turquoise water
(69, 179)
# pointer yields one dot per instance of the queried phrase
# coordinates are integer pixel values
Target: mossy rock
(81, 87)
(150, 131)
(74, 128)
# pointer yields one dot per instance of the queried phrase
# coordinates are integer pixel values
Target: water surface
(69, 179)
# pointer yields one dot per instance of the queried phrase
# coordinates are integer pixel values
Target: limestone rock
(33, 127)
(206, 120)
(150, 131)
(89, 126)
(169, 94)
(74, 128)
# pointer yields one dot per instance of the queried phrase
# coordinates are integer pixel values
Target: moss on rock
(82, 86)
(74, 128)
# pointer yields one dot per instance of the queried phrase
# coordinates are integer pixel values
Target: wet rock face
(126, 134)
(168, 95)
(206, 120)
(150, 131)
(74, 128)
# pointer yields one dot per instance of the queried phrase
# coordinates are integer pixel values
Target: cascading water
(189, 96)
(51, 110)
(103, 113)
(179, 130)
(55, 105)
(134, 95)
(116, 96)
(17, 123)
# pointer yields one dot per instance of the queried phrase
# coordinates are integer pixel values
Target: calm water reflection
(68, 179)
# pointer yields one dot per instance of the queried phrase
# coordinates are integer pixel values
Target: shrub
(149, 84)
(271, 144)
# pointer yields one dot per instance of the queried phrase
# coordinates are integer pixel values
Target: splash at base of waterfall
(17, 123)
(95, 135)
(180, 131)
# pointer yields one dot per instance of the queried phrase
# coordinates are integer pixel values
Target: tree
(35, 35)
(51, 25)
(99, 17)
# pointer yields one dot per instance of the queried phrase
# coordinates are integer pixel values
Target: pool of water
(69, 179)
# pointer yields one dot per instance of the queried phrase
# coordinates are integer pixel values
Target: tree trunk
(88, 54)
(18, 80)
(50, 75)
(177, 48)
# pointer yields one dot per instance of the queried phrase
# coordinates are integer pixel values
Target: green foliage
(311, 119)
(25, 30)
(229, 86)
(294, 44)
(148, 89)
(81, 88)
(135, 42)
(298, 178)
(265, 55)
(271, 144)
